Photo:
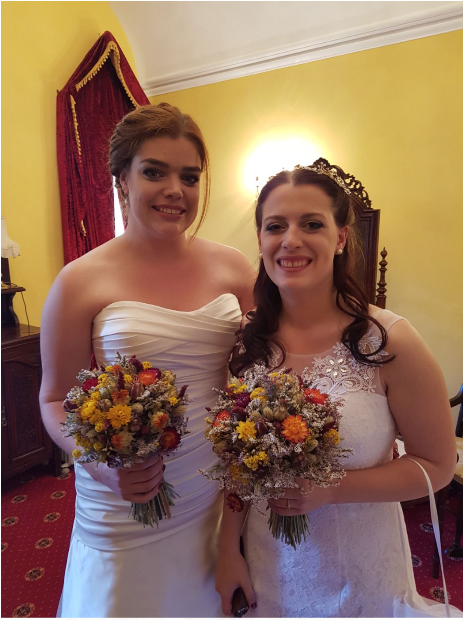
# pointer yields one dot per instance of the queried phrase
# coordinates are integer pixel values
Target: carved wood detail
(381, 290)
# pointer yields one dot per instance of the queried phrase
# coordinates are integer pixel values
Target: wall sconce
(10, 249)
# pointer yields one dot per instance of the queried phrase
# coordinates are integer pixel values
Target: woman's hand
(138, 483)
(232, 573)
(295, 503)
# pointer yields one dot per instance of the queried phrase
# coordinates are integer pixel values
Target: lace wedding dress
(356, 561)
(116, 567)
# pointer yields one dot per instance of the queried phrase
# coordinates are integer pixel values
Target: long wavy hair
(258, 336)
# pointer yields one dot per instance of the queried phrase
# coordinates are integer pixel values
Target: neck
(149, 246)
(303, 310)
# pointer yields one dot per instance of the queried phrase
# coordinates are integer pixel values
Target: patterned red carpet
(37, 515)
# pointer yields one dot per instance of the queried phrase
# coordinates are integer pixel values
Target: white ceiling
(183, 44)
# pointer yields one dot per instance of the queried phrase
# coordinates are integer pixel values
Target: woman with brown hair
(171, 299)
(312, 316)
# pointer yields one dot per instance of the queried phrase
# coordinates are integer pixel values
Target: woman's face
(299, 238)
(162, 186)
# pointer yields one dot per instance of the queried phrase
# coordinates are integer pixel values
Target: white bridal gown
(356, 561)
(116, 567)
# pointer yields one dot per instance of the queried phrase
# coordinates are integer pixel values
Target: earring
(260, 254)
(339, 251)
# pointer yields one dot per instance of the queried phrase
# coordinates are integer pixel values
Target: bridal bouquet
(123, 414)
(269, 429)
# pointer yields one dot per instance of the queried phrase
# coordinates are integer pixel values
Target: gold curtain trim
(76, 124)
(113, 51)
(83, 228)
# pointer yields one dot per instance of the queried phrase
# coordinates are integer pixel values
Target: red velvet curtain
(99, 93)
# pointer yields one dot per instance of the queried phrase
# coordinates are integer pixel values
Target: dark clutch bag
(239, 603)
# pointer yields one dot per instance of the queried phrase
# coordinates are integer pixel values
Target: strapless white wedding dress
(116, 567)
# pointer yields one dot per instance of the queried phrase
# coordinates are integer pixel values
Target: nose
(173, 187)
(292, 238)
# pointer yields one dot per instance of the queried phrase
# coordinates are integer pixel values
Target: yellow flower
(87, 409)
(263, 458)
(108, 369)
(173, 401)
(97, 445)
(246, 430)
(76, 454)
(258, 393)
(99, 426)
(128, 379)
(236, 389)
(103, 380)
(82, 441)
(119, 415)
(332, 436)
(95, 396)
(146, 365)
(252, 462)
(237, 473)
(97, 417)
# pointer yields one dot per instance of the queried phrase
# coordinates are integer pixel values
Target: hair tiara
(347, 182)
(323, 166)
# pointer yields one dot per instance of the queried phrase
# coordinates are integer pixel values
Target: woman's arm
(418, 400)
(232, 570)
(65, 342)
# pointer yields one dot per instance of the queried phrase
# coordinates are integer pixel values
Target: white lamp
(10, 249)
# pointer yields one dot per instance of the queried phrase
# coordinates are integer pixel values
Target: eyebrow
(282, 218)
(158, 162)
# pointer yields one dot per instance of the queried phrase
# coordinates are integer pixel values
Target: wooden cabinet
(25, 442)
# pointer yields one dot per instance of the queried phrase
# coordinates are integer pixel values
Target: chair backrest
(454, 402)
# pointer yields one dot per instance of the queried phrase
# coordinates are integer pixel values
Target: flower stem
(291, 530)
(157, 508)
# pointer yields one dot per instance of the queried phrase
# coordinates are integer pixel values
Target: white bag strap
(435, 527)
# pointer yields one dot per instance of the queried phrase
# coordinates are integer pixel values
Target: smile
(288, 263)
(169, 210)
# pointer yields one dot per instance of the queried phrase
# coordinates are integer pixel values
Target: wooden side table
(25, 442)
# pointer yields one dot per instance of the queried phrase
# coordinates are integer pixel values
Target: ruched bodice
(196, 347)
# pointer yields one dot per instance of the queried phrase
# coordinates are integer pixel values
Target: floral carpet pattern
(37, 517)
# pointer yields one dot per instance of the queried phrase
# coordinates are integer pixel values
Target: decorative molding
(432, 23)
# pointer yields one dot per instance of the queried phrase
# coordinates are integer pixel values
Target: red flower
(149, 376)
(170, 438)
(312, 395)
(234, 502)
(89, 384)
(243, 400)
(221, 417)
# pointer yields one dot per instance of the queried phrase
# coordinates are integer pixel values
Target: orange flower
(221, 417)
(295, 428)
(312, 395)
(159, 420)
(170, 438)
(116, 368)
(116, 441)
(149, 376)
(120, 397)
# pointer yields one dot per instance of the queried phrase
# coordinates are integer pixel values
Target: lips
(293, 262)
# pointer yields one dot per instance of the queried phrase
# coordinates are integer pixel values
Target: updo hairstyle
(155, 121)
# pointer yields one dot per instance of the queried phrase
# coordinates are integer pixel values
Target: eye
(191, 179)
(312, 226)
(152, 173)
(274, 227)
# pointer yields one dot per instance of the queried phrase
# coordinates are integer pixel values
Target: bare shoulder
(236, 273)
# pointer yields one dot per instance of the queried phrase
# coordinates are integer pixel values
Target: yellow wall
(42, 44)
(391, 116)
